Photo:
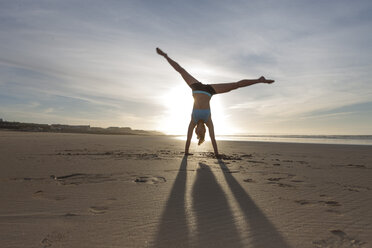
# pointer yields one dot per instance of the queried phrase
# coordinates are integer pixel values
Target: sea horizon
(295, 138)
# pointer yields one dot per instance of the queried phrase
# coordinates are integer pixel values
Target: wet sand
(82, 190)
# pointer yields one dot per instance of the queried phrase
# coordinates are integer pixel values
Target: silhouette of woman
(202, 93)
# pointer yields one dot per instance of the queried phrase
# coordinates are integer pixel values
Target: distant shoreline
(297, 139)
(61, 128)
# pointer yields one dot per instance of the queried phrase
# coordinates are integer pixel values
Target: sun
(221, 118)
(178, 103)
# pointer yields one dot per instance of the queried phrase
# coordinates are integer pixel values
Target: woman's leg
(223, 88)
(185, 75)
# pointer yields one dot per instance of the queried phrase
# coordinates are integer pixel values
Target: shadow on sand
(173, 229)
(215, 225)
(262, 232)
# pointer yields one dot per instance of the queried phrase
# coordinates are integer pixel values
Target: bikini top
(203, 89)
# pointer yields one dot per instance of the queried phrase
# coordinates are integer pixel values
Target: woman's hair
(200, 132)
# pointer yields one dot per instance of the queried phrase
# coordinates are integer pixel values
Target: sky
(94, 63)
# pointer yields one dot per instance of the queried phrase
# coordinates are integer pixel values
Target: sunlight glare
(221, 120)
(178, 103)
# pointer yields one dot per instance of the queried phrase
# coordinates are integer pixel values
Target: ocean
(315, 139)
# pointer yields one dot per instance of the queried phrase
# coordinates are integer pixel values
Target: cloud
(97, 59)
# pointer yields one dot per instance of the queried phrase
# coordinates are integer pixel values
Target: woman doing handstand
(202, 93)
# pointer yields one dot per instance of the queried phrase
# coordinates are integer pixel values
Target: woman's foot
(160, 52)
(262, 79)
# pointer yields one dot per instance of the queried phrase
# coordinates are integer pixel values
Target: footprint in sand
(150, 179)
(26, 179)
(38, 194)
(272, 179)
(302, 162)
(330, 203)
(285, 185)
(233, 157)
(356, 166)
(41, 195)
(303, 202)
(275, 180)
(98, 209)
(247, 156)
(219, 163)
(82, 178)
(52, 238)
(231, 171)
(46, 243)
(360, 166)
(70, 215)
(326, 203)
(297, 181)
(338, 238)
(356, 188)
(333, 211)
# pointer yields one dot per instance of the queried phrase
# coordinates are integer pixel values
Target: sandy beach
(85, 190)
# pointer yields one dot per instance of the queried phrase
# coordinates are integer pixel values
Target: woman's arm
(185, 75)
(189, 136)
(213, 140)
